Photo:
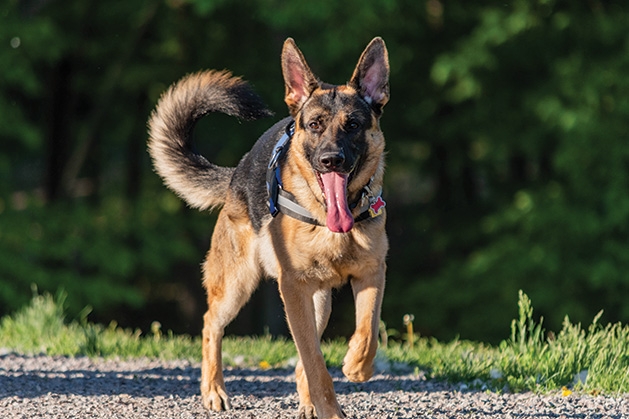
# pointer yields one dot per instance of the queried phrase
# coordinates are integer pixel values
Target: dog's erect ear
(299, 80)
(371, 76)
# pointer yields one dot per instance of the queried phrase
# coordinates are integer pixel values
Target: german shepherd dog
(302, 206)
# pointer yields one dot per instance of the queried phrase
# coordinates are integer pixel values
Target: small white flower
(580, 378)
(495, 374)
(381, 363)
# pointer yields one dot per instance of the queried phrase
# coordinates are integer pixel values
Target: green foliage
(99, 255)
(591, 360)
(507, 163)
(528, 168)
(41, 327)
(263, 351)
(456, 361)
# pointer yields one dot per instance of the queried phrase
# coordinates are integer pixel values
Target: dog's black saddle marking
(280, 200)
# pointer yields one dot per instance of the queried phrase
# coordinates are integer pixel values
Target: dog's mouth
(339, 217)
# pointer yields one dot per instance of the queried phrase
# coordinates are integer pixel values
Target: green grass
(593, 359)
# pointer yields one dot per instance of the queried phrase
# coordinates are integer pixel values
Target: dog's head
(337, 127)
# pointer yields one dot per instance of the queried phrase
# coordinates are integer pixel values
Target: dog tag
(376, 206)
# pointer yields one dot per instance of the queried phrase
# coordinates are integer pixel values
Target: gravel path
(60, 387)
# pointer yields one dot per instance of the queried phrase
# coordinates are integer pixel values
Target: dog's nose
(332, 160)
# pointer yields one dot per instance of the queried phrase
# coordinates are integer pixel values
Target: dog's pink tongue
(339, 217)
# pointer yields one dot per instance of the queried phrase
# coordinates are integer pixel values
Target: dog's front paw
(356, 374)
(358, 362)
(357, 369)
(307, 412)
(216, 399)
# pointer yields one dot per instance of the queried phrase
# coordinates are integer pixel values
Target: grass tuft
(40, 328)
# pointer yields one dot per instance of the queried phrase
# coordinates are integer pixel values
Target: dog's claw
(217, 400)
(307, 412)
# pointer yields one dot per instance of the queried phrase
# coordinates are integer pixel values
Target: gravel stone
(62, 387)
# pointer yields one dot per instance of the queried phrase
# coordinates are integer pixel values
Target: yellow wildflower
(264, 365)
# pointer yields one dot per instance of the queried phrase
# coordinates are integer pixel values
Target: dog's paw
(307, 412)
(216, 399)
(358, 362)
(357, 371)
(357, 375)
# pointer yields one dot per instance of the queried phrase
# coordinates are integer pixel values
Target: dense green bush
(101, 255)
(506, 130)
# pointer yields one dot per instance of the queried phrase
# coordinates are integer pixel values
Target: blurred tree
(530, 185)
(506, 134)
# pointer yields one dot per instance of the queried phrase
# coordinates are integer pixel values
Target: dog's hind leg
(230, 277)
(323, 307)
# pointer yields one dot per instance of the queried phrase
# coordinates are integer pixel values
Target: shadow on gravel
(143, 383)
(281, 382)
(32, 382)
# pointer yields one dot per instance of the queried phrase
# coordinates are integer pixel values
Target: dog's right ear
(298, 78)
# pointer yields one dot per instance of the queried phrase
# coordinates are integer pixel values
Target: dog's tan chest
(333, 258)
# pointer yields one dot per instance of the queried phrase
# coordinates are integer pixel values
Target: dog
(303, 206)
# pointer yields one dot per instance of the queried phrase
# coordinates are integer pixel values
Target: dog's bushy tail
(200, 183)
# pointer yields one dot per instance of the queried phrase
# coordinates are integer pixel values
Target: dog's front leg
(368, 292)
(323, 307)
(299, 302)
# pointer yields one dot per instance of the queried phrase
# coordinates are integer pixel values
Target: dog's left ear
(298, 78)
(371, 76)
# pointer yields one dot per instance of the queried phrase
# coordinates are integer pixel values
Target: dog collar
(280, 200)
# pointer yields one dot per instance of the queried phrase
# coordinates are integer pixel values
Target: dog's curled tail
(200, 183)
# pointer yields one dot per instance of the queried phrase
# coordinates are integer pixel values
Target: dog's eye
(314, 125)
(352, 125)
